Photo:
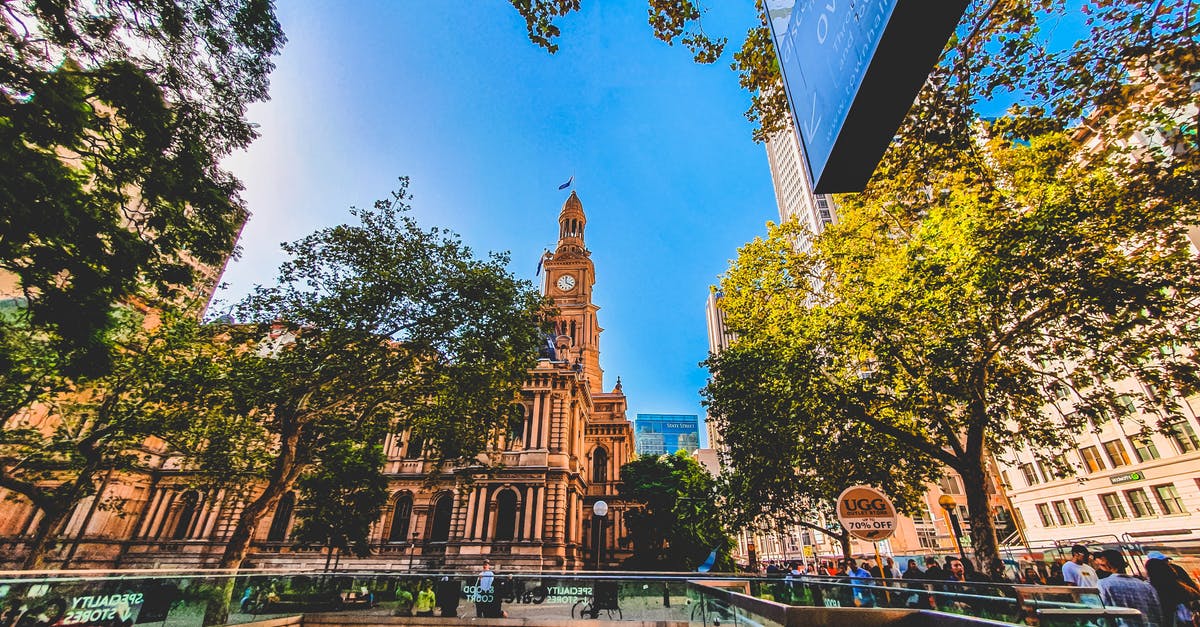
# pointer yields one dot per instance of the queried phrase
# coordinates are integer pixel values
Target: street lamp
(600, 509)
(947, 502)
(412, 551)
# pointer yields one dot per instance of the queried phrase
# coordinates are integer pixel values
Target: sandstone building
(529, 508)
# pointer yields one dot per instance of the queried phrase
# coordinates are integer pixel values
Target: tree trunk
(284, 472)
(57, 506)
(53, 518)
(983, 530)
(844, 539)
(283, 476)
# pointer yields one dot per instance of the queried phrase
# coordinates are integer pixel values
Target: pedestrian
(957, 571)
(1178, 596)
(914, 573)
(485, 592)
(447, 595)
(863, 597)
(426, 600)
(1033, 578)
(1055, 578)
(893, 571)
(933, 571)
(957, 575)
(1078, 572)
(1104, 570)
(1122, 590)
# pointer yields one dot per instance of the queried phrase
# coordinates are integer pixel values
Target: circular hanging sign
(866, 513)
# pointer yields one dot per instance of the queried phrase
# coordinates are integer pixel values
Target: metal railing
(184, 599)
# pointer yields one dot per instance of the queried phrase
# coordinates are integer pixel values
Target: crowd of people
(1166, 596)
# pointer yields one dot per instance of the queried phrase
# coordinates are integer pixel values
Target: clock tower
(568, 281)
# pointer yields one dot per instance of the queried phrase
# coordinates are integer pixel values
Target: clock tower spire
(569, 279)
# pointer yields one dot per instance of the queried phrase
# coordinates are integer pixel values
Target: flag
(568, 183)
(708, 563)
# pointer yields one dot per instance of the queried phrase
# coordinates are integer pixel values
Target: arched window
(282, 519)
(439, 530)
(187, 512)
(415, 444)
(401, 517)
(518, 426)
(506, 515)
(599, 465)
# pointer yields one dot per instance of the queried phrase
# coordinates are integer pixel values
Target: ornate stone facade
(530, 508)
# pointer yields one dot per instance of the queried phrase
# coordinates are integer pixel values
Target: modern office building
(664, 434)
(793, 191)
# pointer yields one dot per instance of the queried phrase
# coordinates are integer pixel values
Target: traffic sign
(866, 513)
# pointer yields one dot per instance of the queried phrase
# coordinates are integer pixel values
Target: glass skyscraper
(659, 434)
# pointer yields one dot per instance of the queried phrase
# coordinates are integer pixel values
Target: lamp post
(600, 509)
(948, 503)
(412, 551)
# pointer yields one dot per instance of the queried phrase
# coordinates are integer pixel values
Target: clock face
(565, 282)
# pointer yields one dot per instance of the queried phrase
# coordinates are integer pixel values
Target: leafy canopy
(675, 520)
(113, 119)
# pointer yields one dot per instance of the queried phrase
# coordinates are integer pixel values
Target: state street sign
(866, 513)
(851, 69)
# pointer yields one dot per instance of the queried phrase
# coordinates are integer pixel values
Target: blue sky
(488, 125)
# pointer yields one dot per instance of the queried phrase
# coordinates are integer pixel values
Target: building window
(187, 513)
(506, 515)
(1127, 405)
(1061, 468)
(401, 519)
(1116, 453)
(1183, 436)
(1044, 513)
(1091, 458)
(1082, 515)
(1168, 499)
(439, 529)
(1113, 507)
(1031, 478)
(1061, 513)
(599, 465)
(1140, 503)
(518, 427)
(415, 444)
(950, 484)
(1060, 391)
(1144, 449)
(282, 519)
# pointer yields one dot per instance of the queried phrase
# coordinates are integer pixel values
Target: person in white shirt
(1077, 572)
(485, 595)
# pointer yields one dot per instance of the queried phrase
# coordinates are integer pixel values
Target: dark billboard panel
(851, 70)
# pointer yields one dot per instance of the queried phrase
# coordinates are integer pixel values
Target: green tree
(790, 449)
(675, 522)
(113, 121)
(376, 321)
(342, 495)
(948, 322)
(53, 451)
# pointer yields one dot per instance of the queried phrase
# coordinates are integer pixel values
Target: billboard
(851, 69)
